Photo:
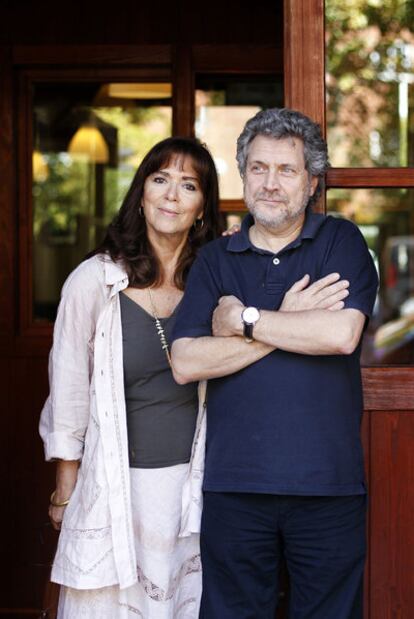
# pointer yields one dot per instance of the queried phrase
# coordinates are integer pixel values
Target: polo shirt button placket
(276, 261)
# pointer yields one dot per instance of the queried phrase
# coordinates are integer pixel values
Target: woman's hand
(326, 293)
(56, 515)
(66, 476)
(232, 230)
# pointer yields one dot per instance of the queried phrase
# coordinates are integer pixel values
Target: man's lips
(272, 200)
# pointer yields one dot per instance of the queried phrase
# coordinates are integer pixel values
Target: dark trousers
(244, 536)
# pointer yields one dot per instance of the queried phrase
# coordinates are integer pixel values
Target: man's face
(277, 187)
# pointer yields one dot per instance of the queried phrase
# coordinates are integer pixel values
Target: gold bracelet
(62, 504)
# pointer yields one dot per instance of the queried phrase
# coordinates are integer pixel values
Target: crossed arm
(308, 322)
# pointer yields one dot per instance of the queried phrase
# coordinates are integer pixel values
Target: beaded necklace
(159, 327)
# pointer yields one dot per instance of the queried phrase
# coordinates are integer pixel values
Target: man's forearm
(311, 332)
(212, 357)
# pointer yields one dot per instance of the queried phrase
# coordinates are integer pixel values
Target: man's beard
(273, 218)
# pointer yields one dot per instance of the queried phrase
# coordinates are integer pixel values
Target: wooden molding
(304, 64)
(388, 388)
(91, 54)
(232, 206)
(183, 92)
(370, 177)
(7, 197)
(234, 59)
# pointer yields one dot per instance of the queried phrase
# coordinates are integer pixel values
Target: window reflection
(88, 141)
(223, 105)
(385, 218)
(370, 82)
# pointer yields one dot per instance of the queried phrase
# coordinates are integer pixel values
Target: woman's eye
(158, 179)
(190, 187)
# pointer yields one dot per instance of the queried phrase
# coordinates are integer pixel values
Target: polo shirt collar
(240, 241)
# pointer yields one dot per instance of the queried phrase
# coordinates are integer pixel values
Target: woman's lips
(169, 213)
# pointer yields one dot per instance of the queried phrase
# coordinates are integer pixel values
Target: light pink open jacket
(84, 418)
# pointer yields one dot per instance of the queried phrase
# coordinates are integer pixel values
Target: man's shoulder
(339, 225)
(216, 249)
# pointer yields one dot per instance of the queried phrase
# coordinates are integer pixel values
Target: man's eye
(256, 168)
(288, 171)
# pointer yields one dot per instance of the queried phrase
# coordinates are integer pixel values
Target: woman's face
(172, 198)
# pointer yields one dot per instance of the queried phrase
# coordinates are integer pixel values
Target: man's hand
(227, 317)
(326, 293)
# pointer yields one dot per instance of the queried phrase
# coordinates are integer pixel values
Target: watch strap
(248, 332)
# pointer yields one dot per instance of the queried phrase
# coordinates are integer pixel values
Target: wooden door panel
(391, 489)
(26, 484)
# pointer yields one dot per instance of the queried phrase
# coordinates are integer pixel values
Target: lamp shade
(89, 142)
(39, 167)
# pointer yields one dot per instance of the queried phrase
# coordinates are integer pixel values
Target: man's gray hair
(281, 123)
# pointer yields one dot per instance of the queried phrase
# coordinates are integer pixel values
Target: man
(284, 467)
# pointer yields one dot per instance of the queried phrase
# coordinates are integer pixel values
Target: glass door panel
(386, 219)
(223, 105)
(88, 140)
(370, 82)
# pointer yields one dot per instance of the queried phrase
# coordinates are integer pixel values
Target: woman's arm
(65, 416)
(66, 476)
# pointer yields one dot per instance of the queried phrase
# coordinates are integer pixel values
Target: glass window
(88, 140)
(370, 82)
(223, 105)
(234, 218)
(385, 217)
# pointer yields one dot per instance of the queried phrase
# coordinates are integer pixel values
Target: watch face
(251, 315)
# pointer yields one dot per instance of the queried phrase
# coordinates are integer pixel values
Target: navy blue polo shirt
(289, 423)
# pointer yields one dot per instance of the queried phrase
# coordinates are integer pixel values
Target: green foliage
(370, 50)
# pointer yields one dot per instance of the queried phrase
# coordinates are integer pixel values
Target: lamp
(89, 141)
(39, 167)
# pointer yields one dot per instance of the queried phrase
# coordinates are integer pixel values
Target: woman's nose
(172, 191)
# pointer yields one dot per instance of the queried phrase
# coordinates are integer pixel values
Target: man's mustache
(272, 196)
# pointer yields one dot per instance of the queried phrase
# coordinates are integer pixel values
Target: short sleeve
(349, 256)
(202, 292)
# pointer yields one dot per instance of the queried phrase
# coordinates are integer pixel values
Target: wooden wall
(180, 28)
(29, 33)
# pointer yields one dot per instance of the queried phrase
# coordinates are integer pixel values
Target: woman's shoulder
(89, 274)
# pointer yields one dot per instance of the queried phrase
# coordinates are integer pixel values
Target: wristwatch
(249, 316)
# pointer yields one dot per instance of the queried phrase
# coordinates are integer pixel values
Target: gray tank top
(161, 415)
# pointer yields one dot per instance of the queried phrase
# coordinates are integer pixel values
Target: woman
(118, 425)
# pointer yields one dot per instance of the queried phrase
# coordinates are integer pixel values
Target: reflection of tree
(370, 60)
(61, 197)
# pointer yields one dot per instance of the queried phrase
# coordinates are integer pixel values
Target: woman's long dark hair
(126, 238)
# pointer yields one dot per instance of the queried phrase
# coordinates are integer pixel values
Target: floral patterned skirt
(168, 569)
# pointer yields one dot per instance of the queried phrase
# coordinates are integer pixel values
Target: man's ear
(313, 184)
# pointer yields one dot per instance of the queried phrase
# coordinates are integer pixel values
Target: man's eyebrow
(257, 161)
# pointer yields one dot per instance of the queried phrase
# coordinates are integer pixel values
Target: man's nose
(272, 180)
